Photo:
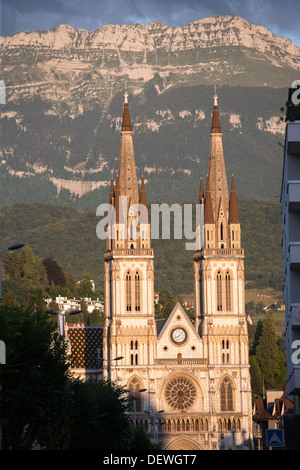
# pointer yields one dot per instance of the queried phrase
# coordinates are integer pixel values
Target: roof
(86, 346)
(233, 208)
(208, 209)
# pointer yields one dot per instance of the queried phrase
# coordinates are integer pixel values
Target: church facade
(188, 382)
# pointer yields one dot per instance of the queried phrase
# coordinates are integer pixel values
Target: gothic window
(225, 352)
(228, 291)
(128, 292)
(137, 284)
(180, 393)
(134, 359)
(221, 231)
(219, 291)
(226, 395)
(134, 395)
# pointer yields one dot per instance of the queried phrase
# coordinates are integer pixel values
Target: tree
(54, 272)
(34, 379)
(257, 335)
(268, 356)
(70, 281)
(256, 377)
(85, 288)
(99, 420)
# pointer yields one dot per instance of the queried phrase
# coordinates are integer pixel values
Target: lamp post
(134, 400)
(109, 361)
(61, 318)
(154, 413)
(10, 248)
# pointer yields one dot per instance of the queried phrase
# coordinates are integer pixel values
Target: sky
(279, 16)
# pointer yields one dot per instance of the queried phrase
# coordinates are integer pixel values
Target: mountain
(68, 235)
(60, 125)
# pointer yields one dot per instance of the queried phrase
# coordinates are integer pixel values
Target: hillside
(60, 125)
(68, 236)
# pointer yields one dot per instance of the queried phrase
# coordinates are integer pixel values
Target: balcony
(295, 316)
(293, 138)
(219, 253)
(294, 195)
(120, 253)
(294, 255)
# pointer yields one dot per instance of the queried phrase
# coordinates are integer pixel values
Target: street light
(109, 361)
(134, 400)
(154, 413)
(61, 318)
(10, 248)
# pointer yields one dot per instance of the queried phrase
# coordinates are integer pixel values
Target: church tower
(130, 331)
(219, 292)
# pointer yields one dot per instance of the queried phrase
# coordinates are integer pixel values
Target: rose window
(180, 393)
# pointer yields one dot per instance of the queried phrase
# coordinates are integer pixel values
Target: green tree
(85, 288)
(268, 356)
(99, 421)
(257, 335)
(34, 378)
(256, 377)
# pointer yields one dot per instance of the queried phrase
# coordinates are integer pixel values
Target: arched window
(134, 358)
(134, 395)
(128, 292)
(226, 395)
(137, 284)
(219, 291)
(225, 352)
(228, 291)
(221, 231)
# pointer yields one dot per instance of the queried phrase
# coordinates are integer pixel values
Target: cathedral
(188, 382)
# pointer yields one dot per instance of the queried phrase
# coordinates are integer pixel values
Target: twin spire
(216, 196)
(127, 182)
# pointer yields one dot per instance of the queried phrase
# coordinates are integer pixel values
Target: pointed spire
(126, 125)
(201, 193)
(216, 126)
(233, 209)
(208, 209)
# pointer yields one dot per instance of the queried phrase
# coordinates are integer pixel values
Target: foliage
(33, 379)
(267, 357)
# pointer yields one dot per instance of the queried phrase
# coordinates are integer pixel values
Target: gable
(178, 335)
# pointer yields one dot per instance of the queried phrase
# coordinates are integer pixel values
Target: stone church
(188, 381)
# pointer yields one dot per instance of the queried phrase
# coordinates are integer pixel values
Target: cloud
(17, 15)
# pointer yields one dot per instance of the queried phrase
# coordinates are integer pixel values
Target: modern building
(189, 380)
(290, 209)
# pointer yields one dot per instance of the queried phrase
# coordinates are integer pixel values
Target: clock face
(179, 335)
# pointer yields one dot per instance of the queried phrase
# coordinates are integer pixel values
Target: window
(226, 395)
(228, 291)
(221, 231)
(134, 395)
(219, 291)
(225, 352)
(128, 292)
(134, 353)
(137, 284)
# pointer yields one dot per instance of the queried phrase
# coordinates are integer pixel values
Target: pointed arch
(137, 291)
(134, 385)
(226, 394)
(228, 290)
(128, 291)
(219, 291)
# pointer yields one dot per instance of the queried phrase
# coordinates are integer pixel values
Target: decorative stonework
(180, 393)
